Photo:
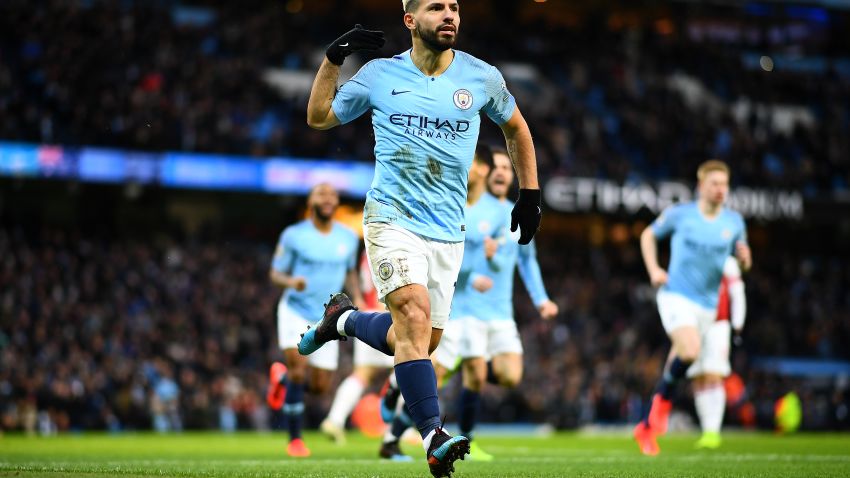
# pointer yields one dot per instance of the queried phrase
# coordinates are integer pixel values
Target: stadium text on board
(589, 194)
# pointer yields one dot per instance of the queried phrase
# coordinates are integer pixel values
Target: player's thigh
(443, 266)
(447, 354)
(713, 360)
(503, 338)
(290, 326)
(397, 258)
(366, 356)
(473, 338)
(676, 311)
(680, 318)
(508, 368)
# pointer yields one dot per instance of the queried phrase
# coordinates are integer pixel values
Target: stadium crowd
(107, 333)
(603, 101)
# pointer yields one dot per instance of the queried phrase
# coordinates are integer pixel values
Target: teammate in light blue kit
(425, 105)
(482, 324)
(703, 235)
(313, 258)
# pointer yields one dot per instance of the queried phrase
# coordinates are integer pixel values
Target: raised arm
(320, 114)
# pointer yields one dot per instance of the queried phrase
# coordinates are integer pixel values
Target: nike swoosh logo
(394, 92)
(343, 44)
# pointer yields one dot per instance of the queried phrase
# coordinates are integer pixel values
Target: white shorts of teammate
(398, 257)
(488, 338)
(448, 352)
(290, 326)
(678, 311)
(366, 356)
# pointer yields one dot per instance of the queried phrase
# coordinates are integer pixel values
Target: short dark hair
(484, 155)
(411, 6)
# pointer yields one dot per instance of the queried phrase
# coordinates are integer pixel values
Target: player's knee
(688, 351)
(688, 355)
(510, 380)
(296, 375)
(473, 381)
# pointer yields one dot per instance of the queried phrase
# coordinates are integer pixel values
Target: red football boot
(277, 391)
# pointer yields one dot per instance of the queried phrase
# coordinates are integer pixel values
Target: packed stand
(156, 76)
(171, 335)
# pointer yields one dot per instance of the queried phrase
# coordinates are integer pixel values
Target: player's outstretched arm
(526, 213)
(320, 114)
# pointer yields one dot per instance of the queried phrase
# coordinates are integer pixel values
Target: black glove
(526, 214)
(355, 40)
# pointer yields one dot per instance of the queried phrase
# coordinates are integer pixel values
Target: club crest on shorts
(463, 99)
(385, 270)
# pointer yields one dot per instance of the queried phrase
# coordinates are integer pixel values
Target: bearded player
(703, 234)
(314, 258)
(425, 107)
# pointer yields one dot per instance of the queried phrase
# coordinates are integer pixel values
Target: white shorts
(366, 356)
(488, 338)
(398, 257)
(290, 326)
(448, 352)
(677, 311)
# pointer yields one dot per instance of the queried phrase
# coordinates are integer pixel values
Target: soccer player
(447, 355)
(712, 367)
(484, 308)
(425, 107)
(314, 258)
(368, 364)
(703, 234)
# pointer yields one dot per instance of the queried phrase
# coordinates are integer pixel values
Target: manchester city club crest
(463, 99)
(385, 270)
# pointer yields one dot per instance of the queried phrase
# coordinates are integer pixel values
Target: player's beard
(320, 215)
(433, 41)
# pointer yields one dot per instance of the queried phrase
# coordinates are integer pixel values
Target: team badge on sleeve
(385, 270)
(463, 99)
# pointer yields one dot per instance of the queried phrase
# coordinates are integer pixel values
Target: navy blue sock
(398, 427)
(491, 374)
(672, 374)
(468, 411)
(293, 408)
(371, 328)
(418, 386)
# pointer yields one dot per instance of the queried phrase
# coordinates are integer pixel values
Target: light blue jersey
(322, 259)
(698, 249)
(496, 303)
(426, 129)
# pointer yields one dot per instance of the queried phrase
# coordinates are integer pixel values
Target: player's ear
(409, 21)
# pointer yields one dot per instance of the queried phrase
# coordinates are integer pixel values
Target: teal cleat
(325, 329)
(443, 452)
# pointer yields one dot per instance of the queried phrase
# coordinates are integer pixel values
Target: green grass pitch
(569, 454)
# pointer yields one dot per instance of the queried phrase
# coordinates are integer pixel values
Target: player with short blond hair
(703, 234)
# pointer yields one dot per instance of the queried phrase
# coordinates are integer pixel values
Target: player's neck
(324, 226)
(474, 192)
(708, 209)
(429, 61)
